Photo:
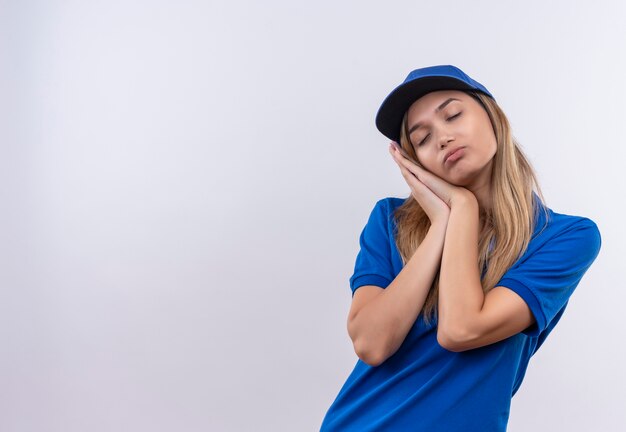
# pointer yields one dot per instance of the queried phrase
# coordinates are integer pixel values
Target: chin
(461, 178)
(462, 183)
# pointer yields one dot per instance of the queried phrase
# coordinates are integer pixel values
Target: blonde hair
(510, 222)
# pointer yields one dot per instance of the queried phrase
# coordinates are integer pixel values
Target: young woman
(457, 286)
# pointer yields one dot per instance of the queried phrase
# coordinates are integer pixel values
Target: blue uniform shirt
(423, 386)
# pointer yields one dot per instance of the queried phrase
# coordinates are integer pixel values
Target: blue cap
(417, 84)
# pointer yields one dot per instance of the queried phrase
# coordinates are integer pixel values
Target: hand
(435, 195)
(436, 209)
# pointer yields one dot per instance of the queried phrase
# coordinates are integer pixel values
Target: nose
(445, 139)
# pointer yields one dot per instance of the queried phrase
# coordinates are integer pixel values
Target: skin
(450, 195)
(471, 129)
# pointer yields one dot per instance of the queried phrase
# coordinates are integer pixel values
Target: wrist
(464, 200)
(439, 227)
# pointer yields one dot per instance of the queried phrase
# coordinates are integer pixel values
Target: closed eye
(448, 119)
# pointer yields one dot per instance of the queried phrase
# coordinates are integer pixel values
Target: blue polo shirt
(423, 386)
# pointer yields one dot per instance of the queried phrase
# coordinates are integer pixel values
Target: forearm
(460, 292)
(381, 325)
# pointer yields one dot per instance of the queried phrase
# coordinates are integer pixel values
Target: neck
(483, 196)
(481, 188)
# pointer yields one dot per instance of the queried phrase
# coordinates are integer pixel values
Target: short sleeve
(548, 276)
(373, 264)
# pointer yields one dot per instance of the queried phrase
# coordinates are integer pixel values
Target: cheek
(492, 144)
(422, 157)
(427, 160)
(486, 132)
(487, 138)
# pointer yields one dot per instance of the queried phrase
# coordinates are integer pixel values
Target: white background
(183, 185)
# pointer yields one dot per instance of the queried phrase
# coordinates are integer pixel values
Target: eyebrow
(439, 108)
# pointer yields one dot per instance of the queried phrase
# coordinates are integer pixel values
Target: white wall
(183, 184)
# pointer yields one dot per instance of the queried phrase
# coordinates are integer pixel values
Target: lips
(450, 153)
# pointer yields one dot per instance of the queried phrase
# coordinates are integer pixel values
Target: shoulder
(385, 207)
(562, 224)
(388, 204)
(562, 230)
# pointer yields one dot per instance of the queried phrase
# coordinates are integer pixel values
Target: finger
(419, 190)
(425, 176)
(404, 160)
(413, 179)
(405, 172)
(418, 178)
(410, 178)
(398, 149)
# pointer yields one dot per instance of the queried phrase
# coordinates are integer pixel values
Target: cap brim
(390, 113)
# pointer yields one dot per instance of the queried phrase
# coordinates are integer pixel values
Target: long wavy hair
(510, 223)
